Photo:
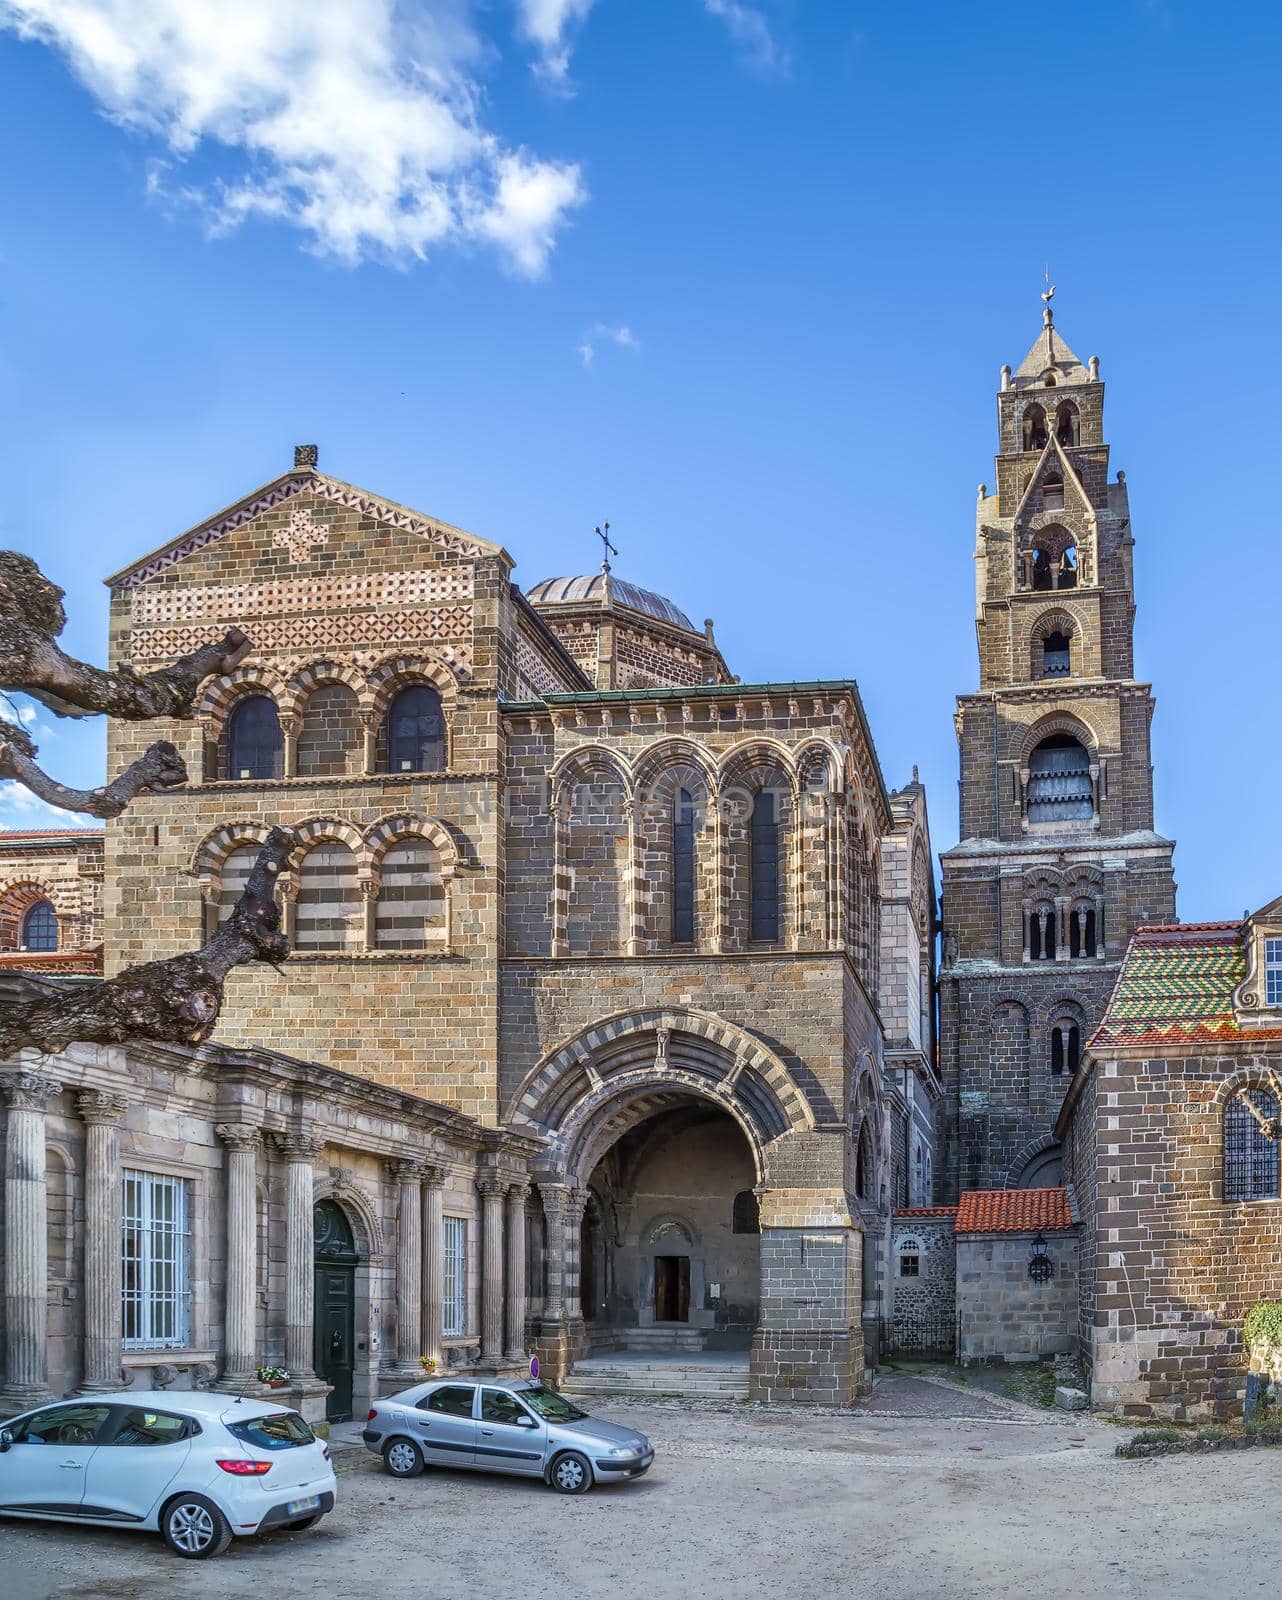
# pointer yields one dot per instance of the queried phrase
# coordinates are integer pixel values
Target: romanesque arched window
(255, 748)
(1250, 1156)
(416, 731)
(1056, 655)
(865, 1175)
(329, 899)
(1034, 427)
(1066, 1047)
(683, 809)
(40, 927)
(1059, 781)
(410, 913)
(745, 1213)
(764, 868)
(1041, 940)
(1083, 929)
(1066, 423)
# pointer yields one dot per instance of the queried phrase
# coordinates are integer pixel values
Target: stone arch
(760, 845)
(1030, 1159)
(221, 694)
(1076, 726)
(410, 887)
(673, 752)
(315, 675)
(663, 1220)
(602, 1075)
(317, 828)
(597, 882)
(17, 899)
(741, 758)
(215, 847)
(580, 763)
(1010, 1041)
(1045, 626)
(359, 1209)
(675, 865)
(405, 825)
(1244, 1078)
(396, 672)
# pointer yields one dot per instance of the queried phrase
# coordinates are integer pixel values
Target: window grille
(255, 747)
(765, 868)
(1250, 1160)
(40, 927)
(683, 868)
(1273, 972)
(455, 1310)
(154, 1251)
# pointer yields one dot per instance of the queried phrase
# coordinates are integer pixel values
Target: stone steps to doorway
(708, 1379)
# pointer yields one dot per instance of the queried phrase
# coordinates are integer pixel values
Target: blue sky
(738, 278)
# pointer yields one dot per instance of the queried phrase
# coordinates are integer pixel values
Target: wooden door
(334, 1310)
(672, 1288)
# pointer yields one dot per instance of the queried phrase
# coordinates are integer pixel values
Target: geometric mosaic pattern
(288, 596)
(307, 633)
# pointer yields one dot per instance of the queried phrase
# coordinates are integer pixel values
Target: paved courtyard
(926, 1492)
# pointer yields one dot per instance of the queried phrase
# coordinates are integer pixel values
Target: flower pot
(276, 1383)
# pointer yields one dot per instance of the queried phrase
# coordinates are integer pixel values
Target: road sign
(534, 1366)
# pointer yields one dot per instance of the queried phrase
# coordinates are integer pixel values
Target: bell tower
(1058, 860)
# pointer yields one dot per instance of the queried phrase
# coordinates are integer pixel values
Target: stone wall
(64, 867)
(922, 1303)
(1002, 1314)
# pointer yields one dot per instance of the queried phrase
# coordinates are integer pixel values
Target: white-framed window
(1273, 972)
(154, 1261)
(909, 1252)
(455, 1315)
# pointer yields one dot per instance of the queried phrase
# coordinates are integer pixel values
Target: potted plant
(273, 1377)
(428, 1364)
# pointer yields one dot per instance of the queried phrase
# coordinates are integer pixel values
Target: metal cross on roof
(603, 533)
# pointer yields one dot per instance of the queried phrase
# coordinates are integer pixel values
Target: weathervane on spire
(1048, 294)
(603, 533)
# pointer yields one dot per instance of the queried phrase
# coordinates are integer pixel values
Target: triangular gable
(286, 487)
(1053, 456)
(1059, 356)
(1270, 913)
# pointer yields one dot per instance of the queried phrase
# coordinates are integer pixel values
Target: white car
(199, 1467)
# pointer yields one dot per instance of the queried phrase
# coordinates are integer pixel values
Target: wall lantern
(1041, 1269)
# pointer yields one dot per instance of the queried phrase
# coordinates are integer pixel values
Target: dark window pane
(1250, 1160)
(416, 731)
(282, 1430)
(453, 1401)
(255, 748)
(764, 868)
(683, 868)
(151, 1427)
(40, 927)
(1059, 782)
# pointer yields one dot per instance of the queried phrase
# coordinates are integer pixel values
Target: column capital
(406, 1171)
(518, 1193)
(239, 1135)
(101, 1108)
(491, 1184)
(578, 1203)
(299, 1146)
(28, 1091)
(434, 1175)
(555, 1198)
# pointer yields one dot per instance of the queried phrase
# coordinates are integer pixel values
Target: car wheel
(304, 1522)
(402, 1458)
(194, 1527)
(571, 1474)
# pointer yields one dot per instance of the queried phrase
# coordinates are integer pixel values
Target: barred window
(1250, 1159)
(764, 874)
(154, 1250)
(1273, 972)
(455, 1315)
(683, 868)
(40, 928)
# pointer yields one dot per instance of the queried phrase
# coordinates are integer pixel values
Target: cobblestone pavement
(750, 1502)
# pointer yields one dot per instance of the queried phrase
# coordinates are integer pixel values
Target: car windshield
(283, 1430)
(547, 1403)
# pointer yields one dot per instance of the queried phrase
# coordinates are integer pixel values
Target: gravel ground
(900, 1503)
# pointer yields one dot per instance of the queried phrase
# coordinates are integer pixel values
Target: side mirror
(525, 1421)
(6, 1440)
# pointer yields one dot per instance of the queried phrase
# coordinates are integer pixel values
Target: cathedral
(612, 1021)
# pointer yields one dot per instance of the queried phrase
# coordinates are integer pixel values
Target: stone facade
(51, 900)
(1003, 1314)
(588, 892)
(922, 1280)
(1172, 1140)
(1058, 861)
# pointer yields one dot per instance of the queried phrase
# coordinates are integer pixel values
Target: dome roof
(562, 591)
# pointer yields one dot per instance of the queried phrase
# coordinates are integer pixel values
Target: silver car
(502, 1425)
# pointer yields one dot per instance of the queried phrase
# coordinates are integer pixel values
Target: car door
(44, 1468)
(141, 1453)
(509, 1438)
(444, 1425)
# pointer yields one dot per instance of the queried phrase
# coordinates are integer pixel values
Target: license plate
(309, 1503)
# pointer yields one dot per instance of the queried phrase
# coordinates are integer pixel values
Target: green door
(334, 1316)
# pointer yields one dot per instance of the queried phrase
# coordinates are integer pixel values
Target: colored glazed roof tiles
(1176, 986)
(1014, 1211)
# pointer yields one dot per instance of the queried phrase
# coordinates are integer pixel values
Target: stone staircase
(714, 1376)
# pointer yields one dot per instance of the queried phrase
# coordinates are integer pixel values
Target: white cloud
(751, 32)
(547, 24)
(19, 808)
(357, 121)
(601, 333)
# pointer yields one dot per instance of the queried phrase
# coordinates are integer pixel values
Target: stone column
(556, 1199)
(239, 1317)
(101, 1111)
(409, 1264)
(492, 1190)
(517, 1195)
(433, 1180)
(300, 1150)
(574, 1267)
(26, 1257)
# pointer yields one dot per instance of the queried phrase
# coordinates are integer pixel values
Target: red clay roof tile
(1014, 1211)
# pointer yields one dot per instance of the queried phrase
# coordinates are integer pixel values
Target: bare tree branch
(172, 1002)
(32, 617)
(159, 767)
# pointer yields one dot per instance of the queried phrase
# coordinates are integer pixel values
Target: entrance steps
(644, 1340)
(717, 1376)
